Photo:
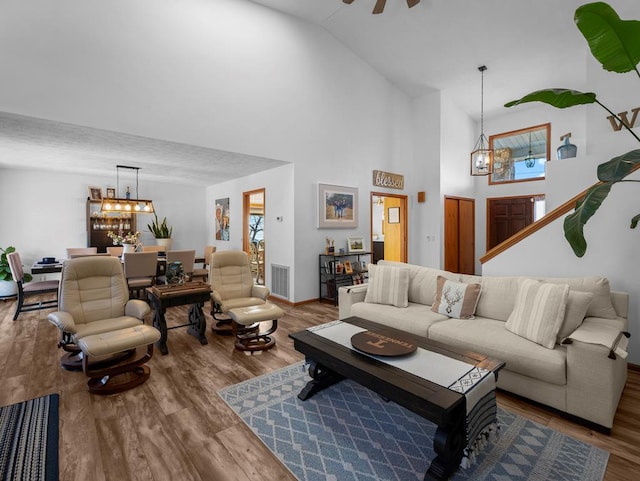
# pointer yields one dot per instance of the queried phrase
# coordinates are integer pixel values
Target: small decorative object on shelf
(329, 247)
(175, 273)
(567, 150)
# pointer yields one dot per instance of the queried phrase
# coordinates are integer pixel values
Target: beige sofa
(582, 376)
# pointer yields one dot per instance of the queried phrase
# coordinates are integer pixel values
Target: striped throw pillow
(539, 311)
(388, 285)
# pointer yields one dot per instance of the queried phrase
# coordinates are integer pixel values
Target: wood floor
(175, 427)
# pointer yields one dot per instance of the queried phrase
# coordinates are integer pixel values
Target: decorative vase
(8, 289)
(167, 243)
(128, 248)
(567, 150)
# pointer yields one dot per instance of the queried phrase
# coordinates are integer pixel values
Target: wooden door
(394, 227)
(506, 216)
(459, 235)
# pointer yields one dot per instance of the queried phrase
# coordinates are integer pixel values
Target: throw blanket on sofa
(613, 339)
(478, 385)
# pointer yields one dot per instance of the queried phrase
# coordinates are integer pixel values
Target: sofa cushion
(415, 319)
(489, 337)
(599, 286)
(539, 311)
(388, 285)
(456, 299)
(498, 297)
(577, 305)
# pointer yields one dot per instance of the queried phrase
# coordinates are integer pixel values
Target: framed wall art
(222, 219)
(111, 193)
(95, 193)
(355, 244)
(337, 206)
(393, 215)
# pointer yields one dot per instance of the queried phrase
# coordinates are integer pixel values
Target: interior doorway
(508, 215)
(389, 227)
(459, 235)
(253, 241)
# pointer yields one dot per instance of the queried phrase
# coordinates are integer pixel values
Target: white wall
(279, 200)
(46, 212)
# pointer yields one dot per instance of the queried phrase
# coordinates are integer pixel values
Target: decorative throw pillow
(577, 305)
(539, 311)
(388, 285)
(456, 299)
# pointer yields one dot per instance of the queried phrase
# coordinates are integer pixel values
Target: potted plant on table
(8, 287)
(129, 242)
(161, 231)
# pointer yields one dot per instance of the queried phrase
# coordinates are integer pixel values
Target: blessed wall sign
(387, 179)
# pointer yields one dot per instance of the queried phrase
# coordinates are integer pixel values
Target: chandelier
(126, 204)
(379, 6)
(482, 155)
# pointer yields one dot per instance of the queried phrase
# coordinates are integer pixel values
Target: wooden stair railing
(535, 227)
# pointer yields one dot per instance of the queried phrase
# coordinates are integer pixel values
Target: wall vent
(280, 280)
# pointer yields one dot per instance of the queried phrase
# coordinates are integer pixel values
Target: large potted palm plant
(615, 43)
(161, 231)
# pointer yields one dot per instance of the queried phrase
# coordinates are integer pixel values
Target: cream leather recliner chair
(96, 319)
(232, 286)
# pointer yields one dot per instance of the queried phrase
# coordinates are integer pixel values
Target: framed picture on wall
(337, 206)
(393, 214)
(111, 193)
(95, 193)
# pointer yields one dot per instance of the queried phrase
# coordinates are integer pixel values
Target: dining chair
(185, 257)
(78, 251)
(28, 289)
(204, 272)
(115, 251)
(140, 271)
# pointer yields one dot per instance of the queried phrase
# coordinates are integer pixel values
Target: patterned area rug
(29, 440)
(347, 432)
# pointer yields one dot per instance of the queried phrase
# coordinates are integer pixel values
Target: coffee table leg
(448, 443)
(198, 323)
(322, 378)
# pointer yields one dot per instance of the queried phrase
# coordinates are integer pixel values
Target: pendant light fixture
(482, 156)
(529, 160)
(127, 204)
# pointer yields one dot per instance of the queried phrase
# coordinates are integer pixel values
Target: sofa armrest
(594, 380)
(349, 295)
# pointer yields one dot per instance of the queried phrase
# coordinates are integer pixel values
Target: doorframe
(404, 219)
(246, 211)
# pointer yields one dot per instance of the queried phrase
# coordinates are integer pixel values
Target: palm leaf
(574, 222)
(619, 167)
(559, 98)
(615, 43)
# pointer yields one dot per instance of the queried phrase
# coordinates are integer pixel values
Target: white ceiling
(436, 45)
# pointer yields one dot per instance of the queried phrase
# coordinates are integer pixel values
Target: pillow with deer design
(456, 299)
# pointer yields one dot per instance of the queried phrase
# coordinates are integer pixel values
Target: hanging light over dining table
(126, 204)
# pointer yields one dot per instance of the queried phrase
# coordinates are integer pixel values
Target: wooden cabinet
(99, 224)
(341, 270)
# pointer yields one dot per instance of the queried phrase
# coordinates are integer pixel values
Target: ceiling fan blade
(412, 3)
(379, 7)
(348, 2)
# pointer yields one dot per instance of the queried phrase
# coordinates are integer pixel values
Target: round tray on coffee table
(380, 345)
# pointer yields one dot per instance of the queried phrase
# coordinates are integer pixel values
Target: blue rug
(29, 440)
(347, 432)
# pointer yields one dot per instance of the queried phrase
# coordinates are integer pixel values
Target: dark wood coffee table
(331, 362)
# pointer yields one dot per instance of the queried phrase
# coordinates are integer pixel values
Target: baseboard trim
(633, 367)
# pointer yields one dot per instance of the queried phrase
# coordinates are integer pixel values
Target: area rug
(29, 440)
(348, 432)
